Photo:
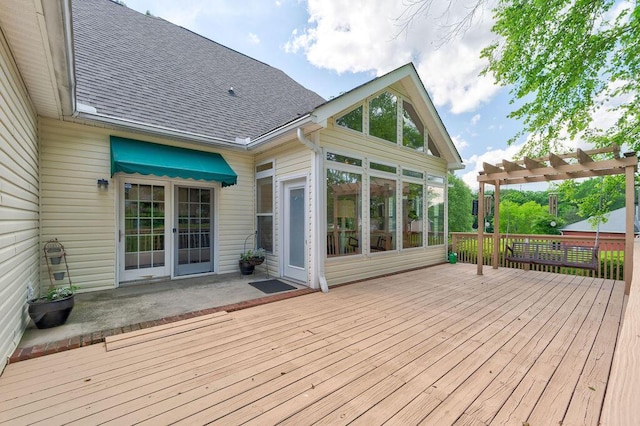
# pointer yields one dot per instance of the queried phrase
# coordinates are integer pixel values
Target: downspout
(318, 211)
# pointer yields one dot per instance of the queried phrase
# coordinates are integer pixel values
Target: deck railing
(610, 253)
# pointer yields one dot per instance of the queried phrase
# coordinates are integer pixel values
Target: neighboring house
(202, 148)
(613, 227)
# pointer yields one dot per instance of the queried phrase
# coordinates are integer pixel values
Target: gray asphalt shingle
(145, 69)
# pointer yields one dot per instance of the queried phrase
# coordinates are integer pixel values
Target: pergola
(579, 164)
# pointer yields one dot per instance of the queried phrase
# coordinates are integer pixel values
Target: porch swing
(554, 253)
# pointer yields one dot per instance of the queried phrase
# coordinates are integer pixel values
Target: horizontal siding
(352, 268)
(19, 203)
(236, 219)
(73, 210)
(83, 218)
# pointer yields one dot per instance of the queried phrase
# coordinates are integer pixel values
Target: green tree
(520, 219)
(521, 197)
(460, 200)
(547, 224)
(383, 121)
(566, 59)
(592, 197)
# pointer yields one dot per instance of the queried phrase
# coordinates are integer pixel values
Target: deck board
(440, 346)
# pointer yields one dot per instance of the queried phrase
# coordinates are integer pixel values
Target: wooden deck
(434, 346)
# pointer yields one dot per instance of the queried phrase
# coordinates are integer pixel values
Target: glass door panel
(294, 231)
(144, 231)
(193, 239)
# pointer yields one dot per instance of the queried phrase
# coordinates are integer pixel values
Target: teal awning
(132, 156)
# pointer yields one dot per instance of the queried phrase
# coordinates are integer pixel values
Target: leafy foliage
(519, 218)
(594, 197)
(57, 293)
(460, 199)
(383, 121)
(565, 60)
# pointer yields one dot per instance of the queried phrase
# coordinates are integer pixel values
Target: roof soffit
(25, 27)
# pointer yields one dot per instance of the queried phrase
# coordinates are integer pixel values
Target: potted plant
(250, 259)
(256, 257)
(53, 306)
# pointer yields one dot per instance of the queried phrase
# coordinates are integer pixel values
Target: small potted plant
(256, 257)
(53, 308)
(250, 259)
(246, 267)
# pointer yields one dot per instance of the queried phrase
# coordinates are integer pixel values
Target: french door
(164, 229)
(193, 234)
(295, 237)
(143, 232)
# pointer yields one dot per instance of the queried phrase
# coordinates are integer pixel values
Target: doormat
(271, 286)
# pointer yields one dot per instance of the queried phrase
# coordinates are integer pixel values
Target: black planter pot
(50, 313)
(246, 268)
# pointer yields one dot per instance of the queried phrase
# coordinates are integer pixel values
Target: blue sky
(332, 46)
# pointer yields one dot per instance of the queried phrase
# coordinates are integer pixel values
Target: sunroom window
(382, 214)
(351, 120)
(412, 128)
(412, 202)
(383, 121)
(344, 218)
(435, 203)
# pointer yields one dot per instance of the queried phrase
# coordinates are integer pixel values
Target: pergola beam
(510, 166)
(532, 164)
(606, 166)
(583, 157)
(490, 168)
(556, 161)
(613, 149)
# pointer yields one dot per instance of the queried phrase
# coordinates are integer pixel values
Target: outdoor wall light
(103, 183)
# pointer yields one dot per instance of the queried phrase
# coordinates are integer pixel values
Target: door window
(144, 226)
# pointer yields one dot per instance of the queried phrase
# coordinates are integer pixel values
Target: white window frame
(261, 175)
(425, 213)
(429, 182)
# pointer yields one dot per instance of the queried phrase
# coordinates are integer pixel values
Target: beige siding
(19, 182)
(291, 159)
(83, 218)
(236, 217)
(74, 211)
(349, 268)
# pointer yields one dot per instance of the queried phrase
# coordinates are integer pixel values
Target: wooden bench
(553, 254)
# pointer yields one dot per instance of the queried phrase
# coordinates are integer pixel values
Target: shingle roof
(615, 224)
(145, 69)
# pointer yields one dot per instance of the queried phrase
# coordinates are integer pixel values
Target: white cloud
(475, 119)
(366, 35)
(254, 39)
(459, 142)
(473, 165)
(278, 3)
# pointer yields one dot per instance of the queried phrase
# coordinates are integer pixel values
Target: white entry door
(143, 233)
(294, 226)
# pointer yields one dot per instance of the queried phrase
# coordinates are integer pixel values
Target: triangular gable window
(383, 122)
(412, 128)
(391, 117)
(352, 120)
